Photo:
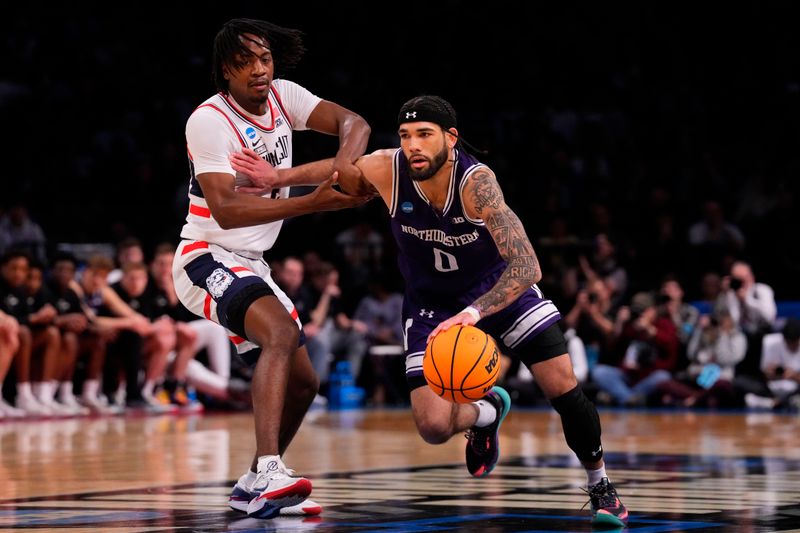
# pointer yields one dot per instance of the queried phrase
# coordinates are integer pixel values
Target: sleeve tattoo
(511, 240)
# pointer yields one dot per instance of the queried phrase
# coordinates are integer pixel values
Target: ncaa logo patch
(407, 207)
(218, 281)
(251, 133)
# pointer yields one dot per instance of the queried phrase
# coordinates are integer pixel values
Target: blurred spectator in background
(381, 310)
(710, 289)
(713, 237)
(129, 250)
(47, 374)
(715, 348)
(780, 363)
(9, 344)
(754, 309)
(72, 322)
(18, 231)
(336, 334)
(683, 315)
(558, 252)
(645, 354)
(362, 249)
(603, 264)
(751, 304)
(39, 340)
(591, 319)
(109, 316)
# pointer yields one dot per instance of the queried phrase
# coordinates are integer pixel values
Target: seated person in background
(187, 327)
(715, 348)
(684, 316)
(591, 319)
(108, 317)
(337, 333)
(381, 310)
(645, 356)
(72, 322)
(129, 250)
(41, 299)
(39, 340)
(780, 363)
(9, 344)
(154, 343)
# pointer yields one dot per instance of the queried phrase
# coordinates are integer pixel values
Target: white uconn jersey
(220, 127)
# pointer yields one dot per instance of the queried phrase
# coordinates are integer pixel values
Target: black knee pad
(581, 424)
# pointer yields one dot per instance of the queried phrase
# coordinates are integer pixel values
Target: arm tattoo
(512, 243)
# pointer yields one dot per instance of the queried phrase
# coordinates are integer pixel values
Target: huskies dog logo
(218, 281)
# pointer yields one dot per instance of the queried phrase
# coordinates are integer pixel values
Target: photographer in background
(752, 307)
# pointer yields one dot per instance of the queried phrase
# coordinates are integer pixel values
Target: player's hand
(463, 318)
(46, 314)
(348, 171)
(262, 176)
(326, 198)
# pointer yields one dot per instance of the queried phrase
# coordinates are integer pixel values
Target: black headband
(425, 114)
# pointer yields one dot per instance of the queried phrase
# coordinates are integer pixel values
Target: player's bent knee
(303, 386)
(434, 430)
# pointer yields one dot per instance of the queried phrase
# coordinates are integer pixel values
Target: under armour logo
(427, 313)
(411, 114)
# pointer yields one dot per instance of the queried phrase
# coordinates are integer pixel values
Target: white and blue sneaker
(276, 490)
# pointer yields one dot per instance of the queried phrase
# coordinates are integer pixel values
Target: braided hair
(286, 45)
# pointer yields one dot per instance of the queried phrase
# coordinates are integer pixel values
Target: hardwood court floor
(676, 471)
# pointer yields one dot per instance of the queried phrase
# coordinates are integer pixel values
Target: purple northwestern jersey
(442, 254)
(448, 260)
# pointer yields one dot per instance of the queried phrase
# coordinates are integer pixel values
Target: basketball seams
(453, 361)
(477, 360)
(436, 368)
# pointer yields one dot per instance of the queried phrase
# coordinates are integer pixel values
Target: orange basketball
(461, 364)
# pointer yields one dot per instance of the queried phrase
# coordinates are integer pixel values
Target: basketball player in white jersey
(219, 271)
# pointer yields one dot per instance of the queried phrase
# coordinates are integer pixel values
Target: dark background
(637, 112)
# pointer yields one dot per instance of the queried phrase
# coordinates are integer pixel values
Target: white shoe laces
(281, 472)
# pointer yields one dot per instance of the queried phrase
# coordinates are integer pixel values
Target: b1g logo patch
(218, 281)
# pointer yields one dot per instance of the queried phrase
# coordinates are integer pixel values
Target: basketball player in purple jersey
(219, 270)
(466, 259)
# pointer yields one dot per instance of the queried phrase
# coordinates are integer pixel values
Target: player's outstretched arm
(483, 199)
(233, 210)
(352, 130)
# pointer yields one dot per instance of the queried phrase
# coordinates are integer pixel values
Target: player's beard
(435, 164)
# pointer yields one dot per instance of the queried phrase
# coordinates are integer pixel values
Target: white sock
(596, 476)
(24, 390)
(487, 413)
(90, 389)
(65, 390)
(47, 391)
(148, 387)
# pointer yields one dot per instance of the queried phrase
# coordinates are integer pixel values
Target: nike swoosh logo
(255, 143)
